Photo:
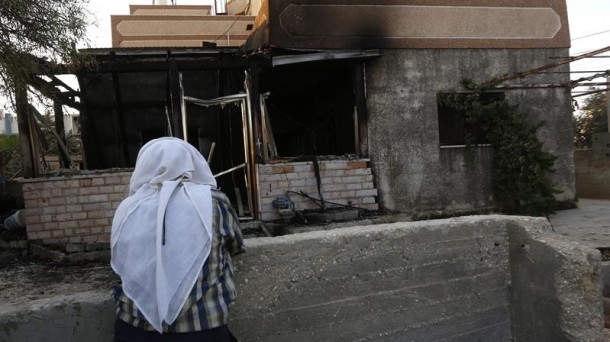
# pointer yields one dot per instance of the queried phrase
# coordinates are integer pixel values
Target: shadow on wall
(592, 175)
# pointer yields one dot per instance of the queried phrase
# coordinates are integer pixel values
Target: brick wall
(79, 209)
(73, 209)
(342, 181)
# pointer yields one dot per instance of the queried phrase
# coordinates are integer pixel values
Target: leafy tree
(10, 158)
(592, 119)
(31, 30)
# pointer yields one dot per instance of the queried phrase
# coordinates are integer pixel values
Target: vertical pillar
(362, 121)
(64, 160)
(176, 101)
(24, 122)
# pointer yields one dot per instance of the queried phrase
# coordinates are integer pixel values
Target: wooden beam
(176, 101)
(24, 122)
(64, 159)
(361, 111)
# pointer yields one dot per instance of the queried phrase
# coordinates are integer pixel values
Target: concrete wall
(411, 171)
(556, 286)
(592, 175)
(489, 278)
(342, 181)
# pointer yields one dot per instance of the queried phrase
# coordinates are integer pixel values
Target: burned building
(331, 103)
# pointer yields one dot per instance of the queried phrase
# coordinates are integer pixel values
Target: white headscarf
(159, 263)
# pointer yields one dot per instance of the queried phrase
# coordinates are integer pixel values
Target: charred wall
(412, 171)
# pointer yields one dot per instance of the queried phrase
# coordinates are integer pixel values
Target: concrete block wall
(342, 181)
(478, 278)
(592, 175)
(426, 281)
(73, 209)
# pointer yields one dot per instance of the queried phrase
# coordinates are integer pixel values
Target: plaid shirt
(207, 306)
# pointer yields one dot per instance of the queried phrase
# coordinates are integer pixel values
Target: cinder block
(57, 193)
(366, 193)
(98, 181)
(297, 183)
(92, 207)
(34, 227)
(57, 233)
(114, 180)
(88, 191)
(103, 222)
(57, 201)
(98, 198)
(27, 195)
(303, 168)
(46, 218)
(333, 165)
(50, 226)
(80, 215)
(43, 235)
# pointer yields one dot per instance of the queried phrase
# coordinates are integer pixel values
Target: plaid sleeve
(229, 227)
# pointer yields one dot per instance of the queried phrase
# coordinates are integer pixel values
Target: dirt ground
(26, 282)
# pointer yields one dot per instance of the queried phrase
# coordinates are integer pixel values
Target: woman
(172, 240)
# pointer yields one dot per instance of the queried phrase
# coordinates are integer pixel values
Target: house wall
(342, 181)
(411, 171)
(592, 175)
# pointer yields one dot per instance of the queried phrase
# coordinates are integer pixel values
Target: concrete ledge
(483, 278)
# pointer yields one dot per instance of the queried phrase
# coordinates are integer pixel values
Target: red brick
(84, 183)
(356, 165)
(282, 169)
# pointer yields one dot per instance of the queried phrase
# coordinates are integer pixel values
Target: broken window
(454, 128)
(311, 108)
